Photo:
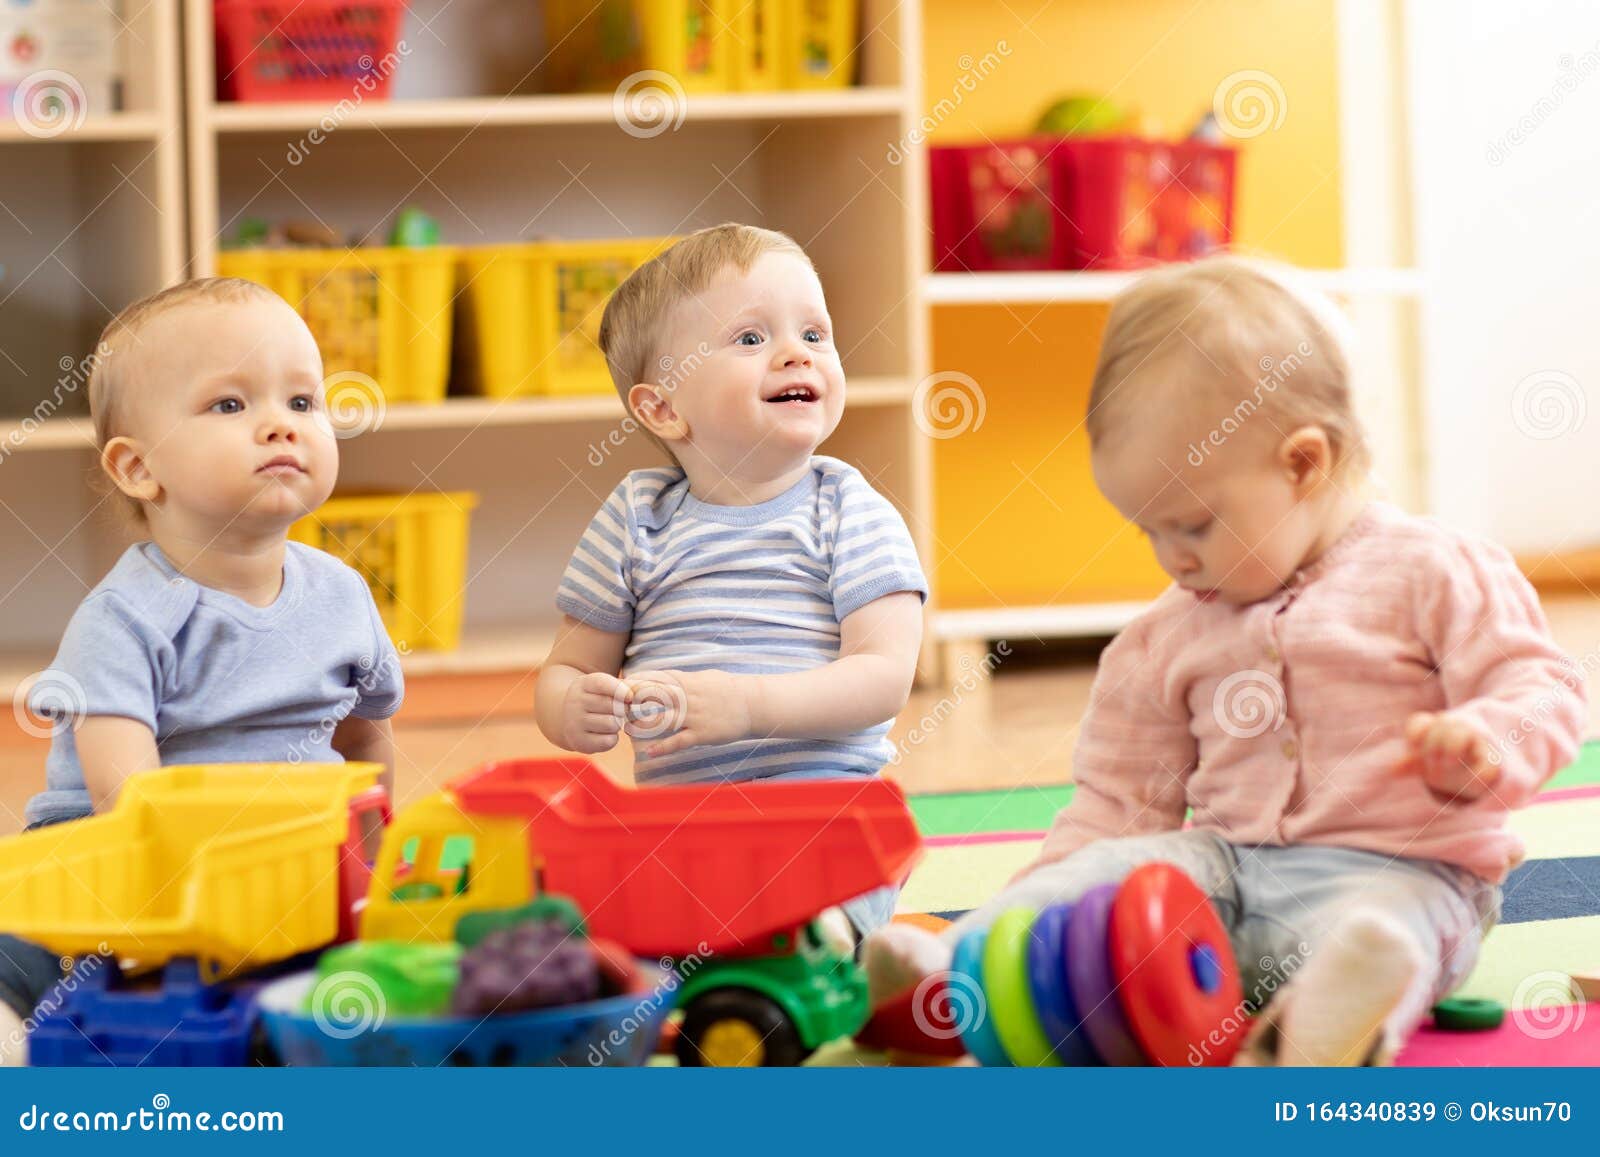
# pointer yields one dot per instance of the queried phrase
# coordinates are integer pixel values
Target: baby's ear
(123, 460)
(652, 406)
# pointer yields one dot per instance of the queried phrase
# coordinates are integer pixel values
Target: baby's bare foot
(1335, 1010)
(898, 956)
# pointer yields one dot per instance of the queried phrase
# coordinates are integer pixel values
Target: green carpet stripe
(1032, 808)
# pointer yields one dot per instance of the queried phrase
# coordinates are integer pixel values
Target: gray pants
(1279, 903)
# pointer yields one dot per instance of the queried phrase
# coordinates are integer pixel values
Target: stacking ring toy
(1005, 970)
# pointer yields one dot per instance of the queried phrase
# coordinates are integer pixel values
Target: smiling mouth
(794, 394)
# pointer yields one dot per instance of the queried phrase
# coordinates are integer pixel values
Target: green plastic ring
(1005, 983)
(1468, 1014)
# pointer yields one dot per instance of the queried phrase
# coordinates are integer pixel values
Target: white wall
(1505, 119)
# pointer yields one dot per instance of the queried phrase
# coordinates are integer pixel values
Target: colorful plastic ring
(1468, 1014)
(1094, 989)
(1052, 998)
(1173, 967)
(1005, 982)
(977, 1033)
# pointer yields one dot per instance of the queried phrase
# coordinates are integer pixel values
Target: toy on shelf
(1084, 191)
(381, 313)
(272, 50)
(701, 45)
(530, 321)
(411, 549)
(1131, 974)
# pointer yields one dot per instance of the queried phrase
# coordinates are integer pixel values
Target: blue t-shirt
(216, 679)
(750, 589)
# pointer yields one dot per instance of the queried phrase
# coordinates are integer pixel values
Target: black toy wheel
(738, 1027)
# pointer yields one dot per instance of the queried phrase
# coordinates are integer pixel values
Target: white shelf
(1098, 286)
(451, 414)
(582, 109)
(1082, 620)
(122, 126)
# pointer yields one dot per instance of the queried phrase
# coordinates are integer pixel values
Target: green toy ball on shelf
(1082, 116)
(414, 229)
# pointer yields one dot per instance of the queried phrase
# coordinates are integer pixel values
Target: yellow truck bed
(235, 864)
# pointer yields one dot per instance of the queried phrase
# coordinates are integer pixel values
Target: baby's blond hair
(114, 371)
(1258, 341)
(634, 324)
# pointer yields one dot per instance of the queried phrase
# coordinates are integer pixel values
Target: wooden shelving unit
(93, 219)
(502, 168)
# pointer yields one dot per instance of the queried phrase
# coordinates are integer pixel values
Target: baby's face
(230, 414)
(764, 386)
(1232, 529)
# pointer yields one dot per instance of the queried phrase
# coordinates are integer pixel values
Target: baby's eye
(813, 334)
(755, 338)
(226, 406)
(302, 403)
(1199, 528)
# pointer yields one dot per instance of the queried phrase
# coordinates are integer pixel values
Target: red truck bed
(675, 870)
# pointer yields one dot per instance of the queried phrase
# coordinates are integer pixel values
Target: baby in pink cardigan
(1351, 700)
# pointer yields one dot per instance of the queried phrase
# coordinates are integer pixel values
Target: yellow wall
(1018, 519)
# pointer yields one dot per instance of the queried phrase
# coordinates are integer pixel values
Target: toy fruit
(414, 229)
(410, 979)
(535, 964)
(1081, 116)
(474, 926)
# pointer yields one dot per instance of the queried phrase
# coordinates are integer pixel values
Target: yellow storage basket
(531, 313)
(382, 312)
(411, 549)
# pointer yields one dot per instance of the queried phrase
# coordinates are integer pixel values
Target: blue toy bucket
(613, 1031)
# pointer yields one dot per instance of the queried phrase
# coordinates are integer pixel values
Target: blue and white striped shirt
(754, 590)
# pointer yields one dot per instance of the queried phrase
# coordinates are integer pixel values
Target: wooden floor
(1011, 727)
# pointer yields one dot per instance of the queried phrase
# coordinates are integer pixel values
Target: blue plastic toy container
(613, 1031)
(103, 1020)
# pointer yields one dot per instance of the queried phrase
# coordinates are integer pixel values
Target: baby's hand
(592, 713)
(689, 708)
(1453, 757)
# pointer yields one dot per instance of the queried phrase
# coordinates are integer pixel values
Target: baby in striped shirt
(755, 610)
(1345, 700)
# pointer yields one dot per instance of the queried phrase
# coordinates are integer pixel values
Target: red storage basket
(1079, 203)
(270, 50)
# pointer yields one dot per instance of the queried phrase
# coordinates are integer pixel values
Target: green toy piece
(473, 927)
(414, 229)
(1081, 116)
(253, 233)
(1468, 1014)
(411, 979)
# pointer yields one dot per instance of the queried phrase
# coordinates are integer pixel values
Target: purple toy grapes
(537, 964)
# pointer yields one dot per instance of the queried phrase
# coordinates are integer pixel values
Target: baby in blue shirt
(216, 640)
(755, 611)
